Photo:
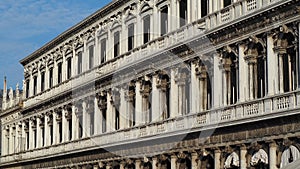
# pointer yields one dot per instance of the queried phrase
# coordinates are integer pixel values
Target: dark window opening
(27, 88)
(233, 87)
(70, 129)
(60, 132)
(130, 37)
(91, 56)
(187, 97)
(204, 7)
(35, 138)
(209, 91)
(261, 77)
(146, 29)
(103, 50)
(69, 67)
(227, 3)
(27, 140)
(79, 68)
(80, 134)
(164, 20)
(116, 44)
(92, 123)
(51, 135)
(104, 120)
(34, 85)
(117, 119)
(43, 136)
(59, 71)
(183, 12)
(42, 81)
(50, 77)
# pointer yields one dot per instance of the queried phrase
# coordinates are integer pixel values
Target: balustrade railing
(220, 116)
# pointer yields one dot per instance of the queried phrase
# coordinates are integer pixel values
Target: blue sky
(26, 25)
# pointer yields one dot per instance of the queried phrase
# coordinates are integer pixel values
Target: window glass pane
(79, 68)
(103, 50)
(116, 44)
(183, 12)
(146, 29)
(164, 20)
(91, 56)
(130, 37)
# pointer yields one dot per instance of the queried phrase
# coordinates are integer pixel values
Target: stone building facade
(163, 84)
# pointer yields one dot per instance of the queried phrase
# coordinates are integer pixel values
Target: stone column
(138, 103)
(130, 110)
(155, 106)
(55, 127)
(281, 78)
(24, 134)
(180, 79)
(217, 159)
(58, 126)
(38, 132)
(46, 77)
(11, 136)
(272, 155)
(102, 104)
(194, 160)
(85, 120)
(173, 162)
(75, 124)
(225, 66)
(202, 82)
(47, 130)
(122, 165)
(145, 94)
(122, 110)
(74, 61)
(243, 159)
(3, 141)
(67, 119)
(109, 116)
(18, 133)
(195, 87)
(31, 134)
(137, 164)
(173, 15)
(217, 92)
(154, 162)
(97, 117)
(174, 94)
(155, 29)
(243, 74)
(272, 67)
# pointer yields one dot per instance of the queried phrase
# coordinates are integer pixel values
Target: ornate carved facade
(162, 84)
